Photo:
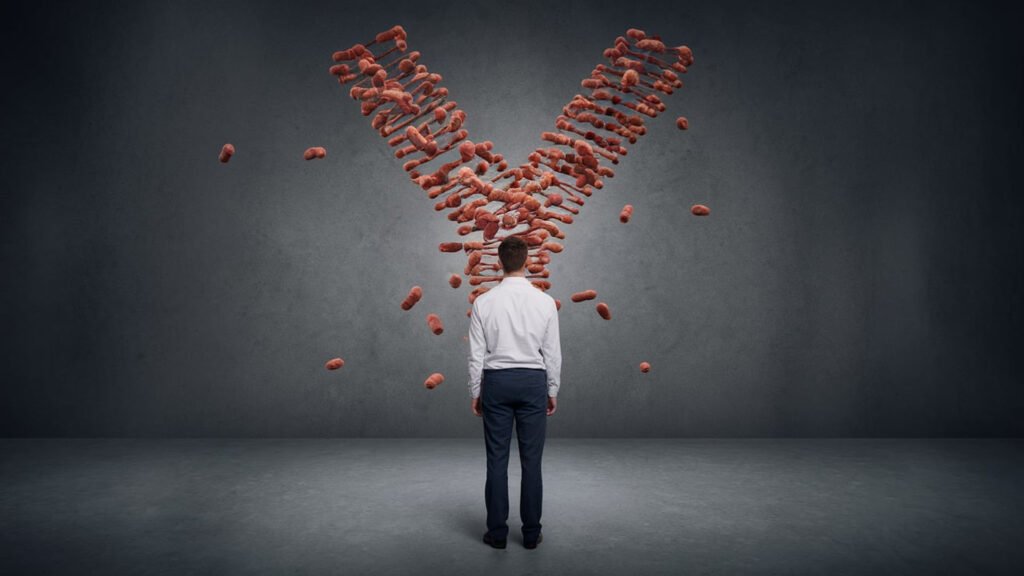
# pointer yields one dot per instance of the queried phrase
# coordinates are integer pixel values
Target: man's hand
(477, 407)
(552, 405)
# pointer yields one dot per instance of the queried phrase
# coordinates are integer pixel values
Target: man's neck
(521, 273)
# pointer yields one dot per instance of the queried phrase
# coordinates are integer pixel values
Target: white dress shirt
(514, 325)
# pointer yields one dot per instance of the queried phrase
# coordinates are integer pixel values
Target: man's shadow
(472, 524)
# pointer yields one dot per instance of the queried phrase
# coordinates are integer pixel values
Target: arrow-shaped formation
(483, 194)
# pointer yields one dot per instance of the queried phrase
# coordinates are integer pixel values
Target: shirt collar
(515, 280)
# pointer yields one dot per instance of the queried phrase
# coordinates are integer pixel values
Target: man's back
(515, 325)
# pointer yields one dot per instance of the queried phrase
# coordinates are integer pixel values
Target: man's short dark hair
(512, 252)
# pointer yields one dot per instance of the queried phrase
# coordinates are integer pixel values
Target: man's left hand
(477, 408)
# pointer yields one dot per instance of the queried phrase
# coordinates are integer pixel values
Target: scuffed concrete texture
(404, 506)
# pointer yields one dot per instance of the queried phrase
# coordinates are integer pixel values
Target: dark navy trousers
(517, 395)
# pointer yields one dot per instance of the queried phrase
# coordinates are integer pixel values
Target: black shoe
(494, 543)
(532, 545)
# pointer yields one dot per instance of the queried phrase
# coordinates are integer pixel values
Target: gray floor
(402, 506)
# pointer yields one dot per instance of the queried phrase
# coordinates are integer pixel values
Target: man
(515, 362)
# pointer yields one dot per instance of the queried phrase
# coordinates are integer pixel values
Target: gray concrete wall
(860, 273)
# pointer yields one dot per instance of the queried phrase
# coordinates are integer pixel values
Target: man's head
(512, 253)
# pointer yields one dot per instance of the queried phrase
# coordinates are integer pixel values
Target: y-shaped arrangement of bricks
(414, 112)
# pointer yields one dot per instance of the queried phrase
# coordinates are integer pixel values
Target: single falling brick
(433, 380)
(584, 295)
(415, 293)
(314, 152)
(627, 212)
(434, 321)
(226, 152)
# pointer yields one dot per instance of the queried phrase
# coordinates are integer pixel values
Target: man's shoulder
(544, 297)
(484, 296)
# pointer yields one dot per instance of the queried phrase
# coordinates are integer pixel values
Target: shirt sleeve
(477, 349)
(551, 349)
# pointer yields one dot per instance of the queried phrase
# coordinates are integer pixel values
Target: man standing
(515, 361)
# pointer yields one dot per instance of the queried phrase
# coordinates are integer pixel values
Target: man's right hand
(552, 405)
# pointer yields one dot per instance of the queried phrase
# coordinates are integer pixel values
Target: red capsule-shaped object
(433, 380)
(226, 152)
(415, 293)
